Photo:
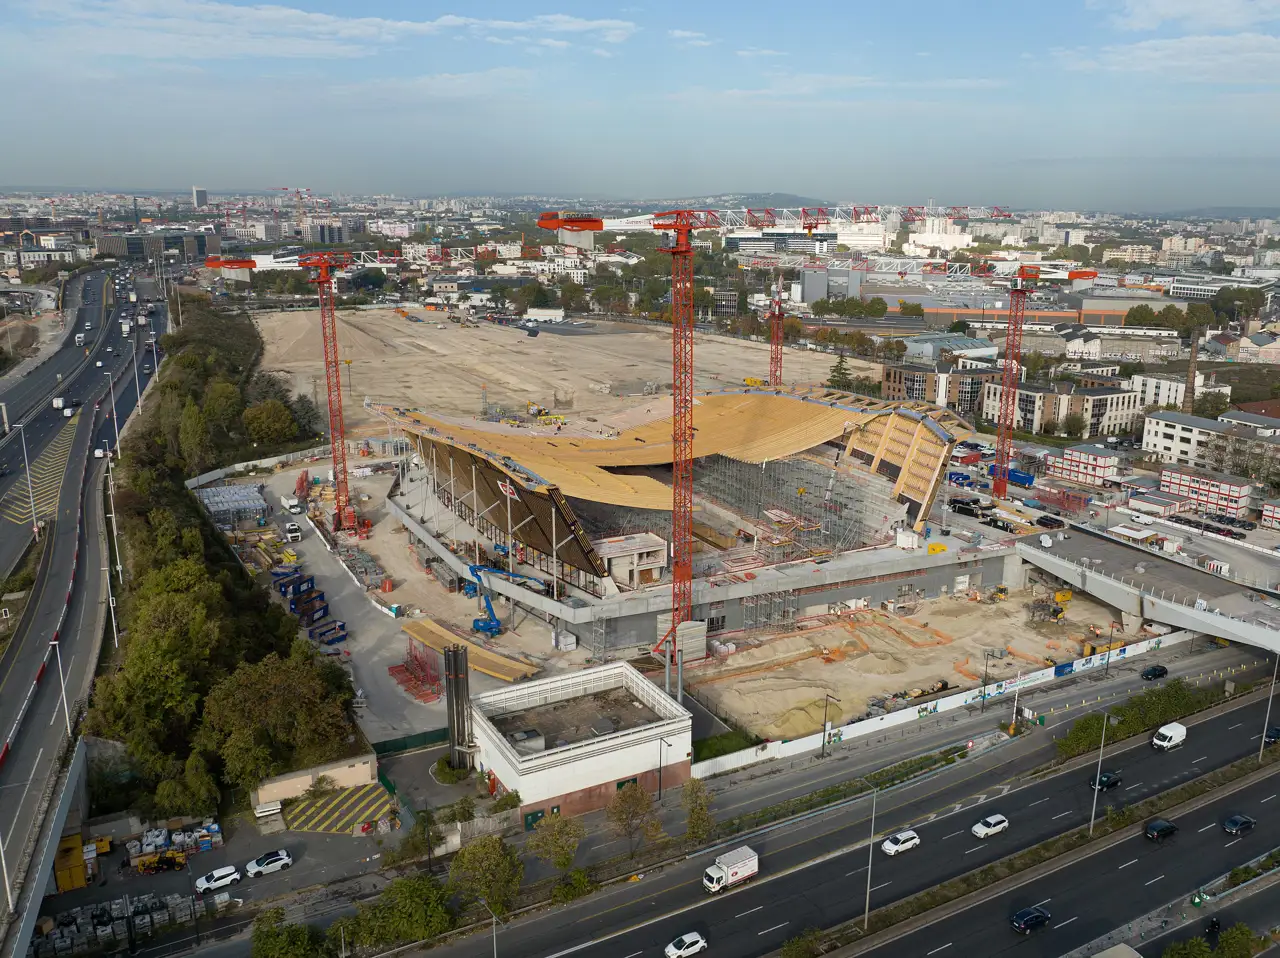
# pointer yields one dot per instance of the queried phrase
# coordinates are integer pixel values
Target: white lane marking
(1034, 804)
(1253, 738)
(634, 954)
(1063, 815)
(878, 887)
(1199, 760)
(1237, 725)
(855, 871)
(34, 765)
(953, 835)
(1128, 863)
(1127, 787)
(936, 950)
(1039, 903)
(1063, 924)
(1154, 880)
(1229, 844)
(774, 928)
(975, 848)
(1207, 827)
(1267, 799)
(749, 911)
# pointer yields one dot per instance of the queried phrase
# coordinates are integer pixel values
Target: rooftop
(1249, 419)
(1182, 419)
(570, 721)
(1093, 449)
(1206, 474)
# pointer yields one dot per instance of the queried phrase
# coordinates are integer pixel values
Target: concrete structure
(1086, 464)
(567, 743)
(1106, 410)
(1270, 514)
(1169, 389)
(199, 197)
(189, 246)
(944, 384)
(1178, 438)
(931, 347)
(1210, 491)
(344, 773)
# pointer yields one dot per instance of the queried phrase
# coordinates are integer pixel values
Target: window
(715, 624)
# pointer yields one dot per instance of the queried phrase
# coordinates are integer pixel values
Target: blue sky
(1128, 104)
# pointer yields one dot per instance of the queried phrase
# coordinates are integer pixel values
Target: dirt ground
(601, 368)
(776, 686)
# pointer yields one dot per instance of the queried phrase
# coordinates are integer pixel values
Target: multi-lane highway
(815, 875)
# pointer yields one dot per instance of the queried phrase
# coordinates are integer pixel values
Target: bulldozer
(999, 594)
(536, 410)
(1045, 611)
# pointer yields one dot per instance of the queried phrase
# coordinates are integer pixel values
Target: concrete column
(1131, 622)
(1015, 573)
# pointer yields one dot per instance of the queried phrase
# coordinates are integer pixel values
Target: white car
(901, 842)
(98, 364)
(109, 349)
(218, 878)
(686, 945)
(991, 825)
(276, 861)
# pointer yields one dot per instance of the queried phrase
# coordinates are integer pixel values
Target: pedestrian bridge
(1143, 585)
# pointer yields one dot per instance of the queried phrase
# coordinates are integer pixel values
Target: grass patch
(734, 740)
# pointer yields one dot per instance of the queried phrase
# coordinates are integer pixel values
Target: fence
(407, 743)
(319, 452)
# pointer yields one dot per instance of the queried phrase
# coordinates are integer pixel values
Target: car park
(1105, 781)
(218, 878)
(1029, 919)
(1158, 829)
(1238, 824)
(686, 945)
(901, 842)
(1153, 672)
(277, 861)
(991, 825)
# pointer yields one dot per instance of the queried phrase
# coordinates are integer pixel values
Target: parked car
(218, 878)
(686, 945)
(901, 842)
(277, 861)
(1153, 672)
(1238, 824)
(1029, 919)
(1105, 782)
(1158, 829)
(991, 825)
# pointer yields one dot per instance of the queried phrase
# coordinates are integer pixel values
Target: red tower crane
(682, 224)
(1019, 286)
(775, 335)
(344, 517)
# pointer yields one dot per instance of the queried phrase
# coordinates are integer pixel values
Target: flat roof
(578, 719)
(626, 545)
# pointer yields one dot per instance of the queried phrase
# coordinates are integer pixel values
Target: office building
(1169, 389)
(188, 246)
(199, 197)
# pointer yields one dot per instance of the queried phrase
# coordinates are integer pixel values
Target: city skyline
(1074, 107)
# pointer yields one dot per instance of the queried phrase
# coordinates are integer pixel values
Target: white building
(1211, 491)
(568, 742)
(1086, 464)
(1178, 438)
(1167, 389)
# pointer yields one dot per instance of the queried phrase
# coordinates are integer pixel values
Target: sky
(1077, 104)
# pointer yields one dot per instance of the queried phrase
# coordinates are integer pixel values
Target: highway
(32, 753)
(814, 873)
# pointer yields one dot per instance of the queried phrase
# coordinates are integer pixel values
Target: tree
(1238, 941)
(840, 377)
(1191, 948)
(959, 326)
(273, 937)
(1073, 425)
(876, 307)
(1200, 315)
(894, 350)
(305, 414)
(222, 406)
(573, 297)
(410, 909)
(498, 296)
(1211, 405)
(807, 945)
(1140, 315)
(1049, 427)
(910, 309)
(1035, 363)
(632, 817)
(193, 438)
(866, 386)
(697, 807)
(488, 869)
(556, 839)
(270, 422)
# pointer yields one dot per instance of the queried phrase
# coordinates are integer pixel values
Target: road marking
(936, 950)
(749, 911)
(878, 887)
(1063, 815)
(1207, 827)
(1039, 903)
(953, 835)
(1133, 786)
(1127, 864)
(1267, 799)
(1229, 844)
(1154, 880)
(1253, 737)
(975, 848)
(1237, 725)
(34, 766)
(634, 954)
(1034, 804)
(1199, 760)
(855, 871)
(774, 928)
(1063, 924)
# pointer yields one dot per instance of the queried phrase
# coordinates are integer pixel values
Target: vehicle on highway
(1029, 919)
(98, 364)
(1158, 829)
(1169, 736)
(1273, 733)
(901, 842)
(728, 869)
(1153, 672)
(686, 945)
(277, 861)
(1105, 782)
(1238, 824)
(991, 825)
(218, 878)
(88, 325)
(110, 350)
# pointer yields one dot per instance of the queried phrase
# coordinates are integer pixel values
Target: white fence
(811, 743)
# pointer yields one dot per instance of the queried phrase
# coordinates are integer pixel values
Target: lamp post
(495, 926)
(871, 849)
(31, 496)
(825, 702)
(986, 658)
(62, 684)
(115, 525)
(1270, 695)
(1097, 778)
(4, 873)
(111, 394)
(661, 742)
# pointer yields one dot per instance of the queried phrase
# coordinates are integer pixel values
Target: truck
(126, 327)
(79, 339)
(730, 869)
(1169, 736)
(291, 505)
(292, 532)
(59, 402)
(133, 296)
(1017, 477)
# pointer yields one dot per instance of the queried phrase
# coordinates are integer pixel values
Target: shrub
(506, 802)
(446, 774)
(575, 884)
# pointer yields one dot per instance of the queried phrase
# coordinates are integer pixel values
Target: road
(1105, 891)
(814, 873)
(1260, 912)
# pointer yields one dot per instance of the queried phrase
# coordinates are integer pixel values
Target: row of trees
(854, 308)
(1229, 303)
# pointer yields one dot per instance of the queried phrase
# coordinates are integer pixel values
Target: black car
(1029, 919)
(1158, 829)
(1105, 782)
(1153, 672)
(1273, 735)
(1238, 825)
(1248, 525)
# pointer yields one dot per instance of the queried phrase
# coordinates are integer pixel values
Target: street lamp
(31, 496)
(661, 742)
(111, 393)
(1270, 695)
(871, 849)
(4, 873)
(1097, 777)
(62, 683)
(827, 700)
(495, 926)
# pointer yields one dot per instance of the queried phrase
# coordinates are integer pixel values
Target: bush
(508, 801)
(463, 810)
(446, 774)
(807, 945)
(575, 884)
(1151, 709)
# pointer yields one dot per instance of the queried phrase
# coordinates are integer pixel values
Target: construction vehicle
(491, 625)
(168, 860)
(754, 381)
(1044, 611)
(999, 594)
(535, 410)
(552, 420)
(1062, 596)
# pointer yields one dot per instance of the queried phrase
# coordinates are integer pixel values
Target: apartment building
(1178, 438)
(944, 384)
(1210, 491)
(1259, 424)
(1106, 410)
(1167, 389)
(1086, 464)
(1033, 407)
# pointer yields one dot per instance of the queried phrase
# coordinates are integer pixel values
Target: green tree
(1073, 425)
(876, 307)
(270, 422)
(697, 807)
(498, 296)
(273, 937)
(305, 414)
(1238, 941)
(1140, 315)
(959, 326)
(410, 909)
(894, 350)
(488, 869)
(910, 309)
(1035, 363)
(1211, 405)
(1200, 316)
(1049, 427)
(193, 438)
(841, 377)
(1191, 948)
(631, 815)
(222, 406)
(556, 839)
(573, 297)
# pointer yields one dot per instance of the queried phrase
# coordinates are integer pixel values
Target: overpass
(1141, 584)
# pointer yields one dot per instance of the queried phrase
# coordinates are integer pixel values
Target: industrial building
(190, 246)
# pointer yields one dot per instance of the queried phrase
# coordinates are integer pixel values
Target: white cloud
(212, 30)
(597, 51)
(760, 52)
(1251, 58)
(1189, 14)
(685, 34)
(553, 44)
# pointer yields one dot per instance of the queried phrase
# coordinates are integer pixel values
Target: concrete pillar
(1015, 573)
(1131, 622)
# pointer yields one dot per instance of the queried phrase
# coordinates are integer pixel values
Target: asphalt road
(1260, 912)
(1103, 892)
(814, 874)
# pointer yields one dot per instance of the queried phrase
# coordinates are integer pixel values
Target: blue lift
(491, 625)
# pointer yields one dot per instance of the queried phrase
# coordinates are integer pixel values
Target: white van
(1143, 520)
(1169, 736)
